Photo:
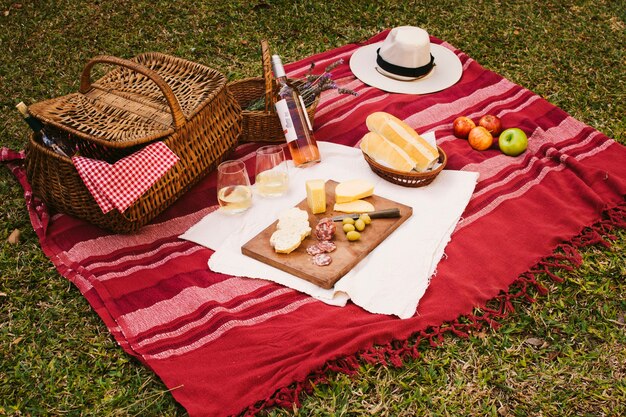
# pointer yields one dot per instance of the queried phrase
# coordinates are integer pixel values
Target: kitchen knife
(380, 214)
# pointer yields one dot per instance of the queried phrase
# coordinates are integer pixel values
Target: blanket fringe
(37, 210)
(566, 257)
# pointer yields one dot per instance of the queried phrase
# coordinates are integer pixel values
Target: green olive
(353, 235)
(348, 227)
(366, 218)
(347, 220)
(359, 224)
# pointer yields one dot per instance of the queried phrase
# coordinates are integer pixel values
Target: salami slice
(314, 250)
(325, 229)
(322, 259)
(326, 246)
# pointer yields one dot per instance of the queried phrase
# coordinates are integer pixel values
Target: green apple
(513, 141)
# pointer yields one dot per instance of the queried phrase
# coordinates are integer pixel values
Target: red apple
(480, 138)
(491, 123)
(462, 126)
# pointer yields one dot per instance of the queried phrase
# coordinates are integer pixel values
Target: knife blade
(379, 214)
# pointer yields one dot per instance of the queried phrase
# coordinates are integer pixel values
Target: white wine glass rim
(231, 167)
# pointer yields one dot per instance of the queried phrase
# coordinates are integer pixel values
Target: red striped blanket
(227, 344)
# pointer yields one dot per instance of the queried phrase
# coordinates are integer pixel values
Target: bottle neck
(282, 81)
(279, 70)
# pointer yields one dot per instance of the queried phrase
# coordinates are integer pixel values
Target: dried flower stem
(311, 86)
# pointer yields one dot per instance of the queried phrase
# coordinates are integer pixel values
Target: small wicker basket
(262, 125)
(152, 97)
(408, 179)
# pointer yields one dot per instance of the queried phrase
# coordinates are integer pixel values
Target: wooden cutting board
(347, 254)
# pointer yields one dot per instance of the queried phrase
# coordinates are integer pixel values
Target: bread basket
(408, 179)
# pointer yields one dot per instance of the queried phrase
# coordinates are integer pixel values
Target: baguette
(386, 152)
(292, 228)
(285, 240)
(405, 137)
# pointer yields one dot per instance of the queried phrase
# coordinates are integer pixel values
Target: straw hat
(406, 62)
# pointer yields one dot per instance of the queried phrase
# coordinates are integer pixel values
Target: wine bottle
(38, 127)
(294, 120)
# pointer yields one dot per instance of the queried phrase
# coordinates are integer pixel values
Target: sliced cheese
(386, 152)
(404, 136)
(356, 206)
(316, 196)
(353, 190)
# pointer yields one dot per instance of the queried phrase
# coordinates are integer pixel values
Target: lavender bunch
(311, 86)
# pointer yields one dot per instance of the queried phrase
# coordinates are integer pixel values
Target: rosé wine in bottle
(294, 120)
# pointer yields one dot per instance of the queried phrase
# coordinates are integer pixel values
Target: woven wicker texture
(262, 125)
(204, 125)
(408, 179)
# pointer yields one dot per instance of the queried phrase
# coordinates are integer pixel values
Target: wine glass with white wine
(234, 193)
(271, 171)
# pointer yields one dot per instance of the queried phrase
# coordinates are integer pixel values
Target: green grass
(564, 355)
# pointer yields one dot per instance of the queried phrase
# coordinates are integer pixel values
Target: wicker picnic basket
(262, 125)
(152, 97)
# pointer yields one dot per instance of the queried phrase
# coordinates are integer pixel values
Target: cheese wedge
(353, 190)
(356, 206)
(386, 152)
(316, 196)
(404, 136)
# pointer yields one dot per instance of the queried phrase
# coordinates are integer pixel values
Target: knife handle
(385, 214)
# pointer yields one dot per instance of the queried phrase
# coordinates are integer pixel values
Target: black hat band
(404, 71)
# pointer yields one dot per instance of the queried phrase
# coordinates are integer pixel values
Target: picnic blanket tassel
(530, 278)
(616, 217)
(37, 210)
(374, 356)
(346, 365)
(395, 353)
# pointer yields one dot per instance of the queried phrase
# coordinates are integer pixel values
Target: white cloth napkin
(393, 277)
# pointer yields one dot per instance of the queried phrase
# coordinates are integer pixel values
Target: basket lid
(140, 100)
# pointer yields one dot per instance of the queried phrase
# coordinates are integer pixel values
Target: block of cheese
(316, 196)
(386, 152)
(353, 190)
(404, 136)
(356, 206)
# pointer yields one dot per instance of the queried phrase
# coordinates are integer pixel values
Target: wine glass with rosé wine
(234, 193)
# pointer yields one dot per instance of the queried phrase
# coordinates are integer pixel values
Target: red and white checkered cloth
(121, 184)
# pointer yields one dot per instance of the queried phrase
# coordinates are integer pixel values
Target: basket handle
(85, 82)
(270, 97)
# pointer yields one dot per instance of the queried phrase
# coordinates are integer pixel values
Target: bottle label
(282, 110)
